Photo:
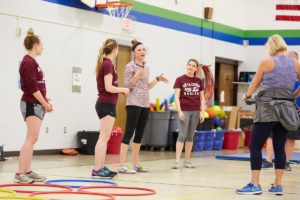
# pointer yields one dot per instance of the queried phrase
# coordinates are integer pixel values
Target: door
(122, 59)
(225, 85)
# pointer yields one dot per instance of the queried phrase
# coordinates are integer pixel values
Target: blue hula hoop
(50, 182)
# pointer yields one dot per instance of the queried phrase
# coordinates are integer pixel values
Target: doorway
(124, 57)
(226, 72)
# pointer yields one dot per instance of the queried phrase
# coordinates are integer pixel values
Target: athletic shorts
(104, 109)
(31, 109)
(293, 135)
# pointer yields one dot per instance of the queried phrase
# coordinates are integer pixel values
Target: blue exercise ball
(216, 121)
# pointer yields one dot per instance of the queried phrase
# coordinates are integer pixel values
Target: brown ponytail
(106, 49)
(31, 39)
(193, 60)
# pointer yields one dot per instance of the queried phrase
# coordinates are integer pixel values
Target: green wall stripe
(268, 33)
(165, 13)
(184, 18)
(188, 19)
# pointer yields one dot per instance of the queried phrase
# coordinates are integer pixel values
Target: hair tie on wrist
(157, 78)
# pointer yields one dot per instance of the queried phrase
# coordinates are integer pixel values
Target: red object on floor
(114, 142)
(231, 139)
(247, 138)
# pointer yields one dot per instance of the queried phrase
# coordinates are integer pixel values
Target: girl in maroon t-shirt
(34, 104)
(107, 84)
(189, 98)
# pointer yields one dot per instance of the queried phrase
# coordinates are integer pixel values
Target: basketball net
(119, 9)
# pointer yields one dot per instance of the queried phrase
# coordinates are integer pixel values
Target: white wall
(72, 37)
(261, 16)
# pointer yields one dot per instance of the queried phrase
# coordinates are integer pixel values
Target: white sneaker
(139, 168)
(126, 169)
(175, 165)
(188, 164)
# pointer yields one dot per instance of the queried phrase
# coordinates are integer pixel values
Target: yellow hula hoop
(12, 193)
(17, 197)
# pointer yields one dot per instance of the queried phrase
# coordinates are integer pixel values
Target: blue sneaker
(277, 190)
(266, 165)
(102, 174)
(107, 169)
(250, 189)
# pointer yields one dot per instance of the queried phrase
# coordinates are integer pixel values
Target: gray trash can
(2, 153)
(173, 127)
(159, 122)
(147, 133)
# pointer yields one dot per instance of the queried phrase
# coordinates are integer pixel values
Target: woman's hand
(124, 91)
(141, 72)
(162, 78)
(245, 97)
(48, 107)
(181, 116)
(202, 118)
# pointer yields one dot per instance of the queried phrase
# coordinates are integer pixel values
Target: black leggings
(137, 118)
(260, 133)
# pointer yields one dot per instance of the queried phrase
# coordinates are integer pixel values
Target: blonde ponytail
(106, 49)
(99, 60)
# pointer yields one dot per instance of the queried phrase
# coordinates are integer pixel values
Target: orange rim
(118, 4)
(101, 6)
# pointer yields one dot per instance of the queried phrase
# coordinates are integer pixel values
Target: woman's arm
(177, 103)
(108, 78)
(30, 77)
(41, 99)
(156, 80)
(202, 101)
(264, 66)
(297, 65)
(153, 83)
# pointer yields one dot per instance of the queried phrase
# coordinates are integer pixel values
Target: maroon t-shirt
(104, 96)
(31, 79)
(190, 88)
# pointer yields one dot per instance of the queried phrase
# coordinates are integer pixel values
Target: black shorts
(292, 135)
(104, 109)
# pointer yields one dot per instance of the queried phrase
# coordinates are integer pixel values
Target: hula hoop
(110, 196)
(77, 186)
(19, 197)
(12, 193)
(208, 82)
(151, 191)
(39, 185)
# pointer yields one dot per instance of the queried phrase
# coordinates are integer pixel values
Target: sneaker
(22, 178)
(188, 164)
(288, 167)
(277, 190)
(107, 169)
(139, 168)
(250, 189)
(126, 169)
(175, 165)
(102, 174)
(36, 177)
(267, 165)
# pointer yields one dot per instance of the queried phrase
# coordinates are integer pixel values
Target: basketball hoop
(118, 9)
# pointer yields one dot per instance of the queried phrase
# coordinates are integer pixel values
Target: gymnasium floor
(211, 179)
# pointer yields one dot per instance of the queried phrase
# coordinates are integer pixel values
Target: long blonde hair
(275, 44)
(106, 49)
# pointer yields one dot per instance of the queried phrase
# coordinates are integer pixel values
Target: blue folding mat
(246, 156)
